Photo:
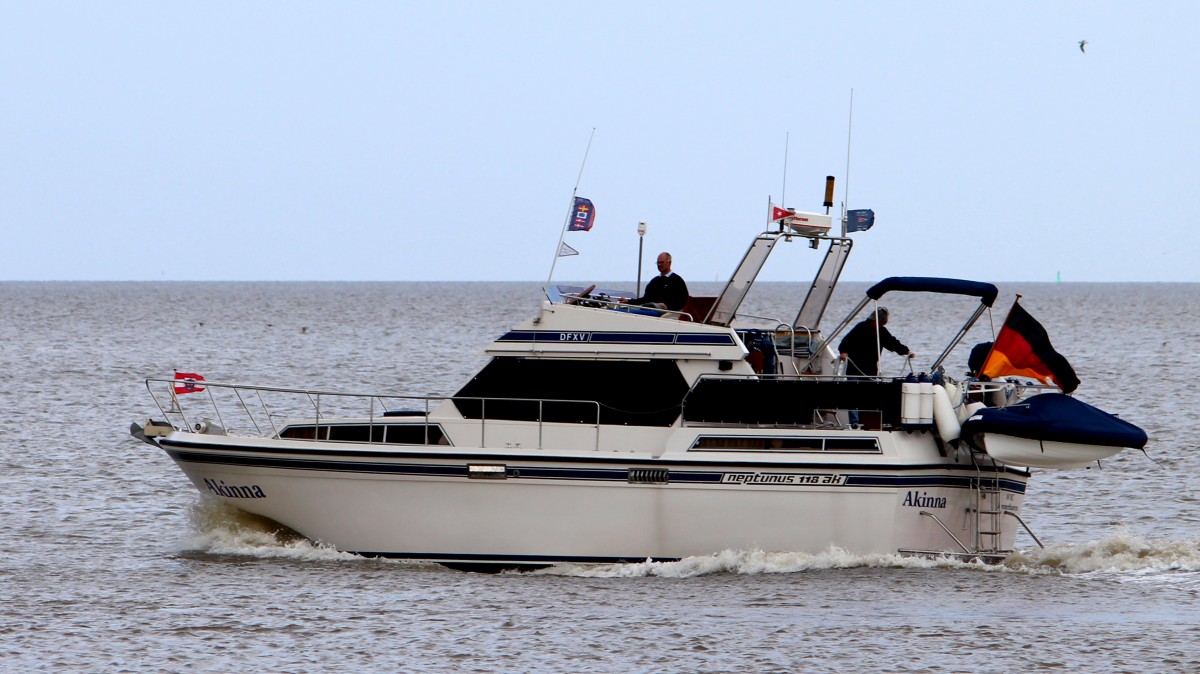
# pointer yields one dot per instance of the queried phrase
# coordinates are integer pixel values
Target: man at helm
(665, 291)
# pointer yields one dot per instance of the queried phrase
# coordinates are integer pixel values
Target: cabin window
(766, 443)
(391, 434)
(851, 445)
(788, 402)
(632, 393)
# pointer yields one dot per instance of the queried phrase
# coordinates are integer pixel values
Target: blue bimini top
(1059, 418)
(986, 292)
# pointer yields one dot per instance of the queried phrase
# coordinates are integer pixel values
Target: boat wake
(1120, 553)
(753, 562)
(1126, 556)
(220, 529)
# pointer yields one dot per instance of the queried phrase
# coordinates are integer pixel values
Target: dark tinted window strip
(707, 340)
(623, 393)
(554, 336)
(632, 338)
(788, 402)
(784, 443)
(851, 445)
(388, 434)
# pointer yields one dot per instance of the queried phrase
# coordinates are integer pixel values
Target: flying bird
(1082, 44)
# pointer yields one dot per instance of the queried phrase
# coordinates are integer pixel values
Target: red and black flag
(1023, 349)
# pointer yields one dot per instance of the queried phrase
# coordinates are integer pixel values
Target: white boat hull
(546, 510)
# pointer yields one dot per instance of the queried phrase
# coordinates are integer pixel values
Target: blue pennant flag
(582, 215)
(860, 220)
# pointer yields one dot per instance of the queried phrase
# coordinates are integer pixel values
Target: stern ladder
(988, 514)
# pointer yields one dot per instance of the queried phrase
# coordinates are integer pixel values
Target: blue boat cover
(1059, 418)
(986, 292)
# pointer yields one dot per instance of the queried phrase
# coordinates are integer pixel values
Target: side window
(645, 393)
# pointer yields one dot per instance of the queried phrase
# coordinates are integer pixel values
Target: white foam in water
(225, 530)
(758, 561)
(1123, 553)
(1128, 556)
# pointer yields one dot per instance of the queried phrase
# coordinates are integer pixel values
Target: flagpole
(994, 335)
(846, 189)
(567, 219)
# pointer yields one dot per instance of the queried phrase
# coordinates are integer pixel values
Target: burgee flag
(860, 220)
(564, 250)
(185, 382)
(778, 213)
(1023, 349)
(583, 214)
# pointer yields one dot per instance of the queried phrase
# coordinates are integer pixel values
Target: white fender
(954, 392)
(910, 403)
(967, 410)
(972, 408)
(943, 415)
(926, 413)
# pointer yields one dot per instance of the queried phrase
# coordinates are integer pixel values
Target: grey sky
(440, 141)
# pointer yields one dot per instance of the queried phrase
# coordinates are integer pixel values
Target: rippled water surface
(111, 561)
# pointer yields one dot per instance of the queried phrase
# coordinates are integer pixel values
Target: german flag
(1023, 349)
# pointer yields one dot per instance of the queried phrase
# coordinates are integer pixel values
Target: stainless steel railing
(258, 409)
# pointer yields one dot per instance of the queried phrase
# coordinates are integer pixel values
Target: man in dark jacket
(860, 349)
(665, 291)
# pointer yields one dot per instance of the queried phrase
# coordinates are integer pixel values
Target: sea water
(111, 561)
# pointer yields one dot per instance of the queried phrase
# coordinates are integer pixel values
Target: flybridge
(813, 308)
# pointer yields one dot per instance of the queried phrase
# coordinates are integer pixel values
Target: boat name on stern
(781, 478)
(914, 499)
(219, 488)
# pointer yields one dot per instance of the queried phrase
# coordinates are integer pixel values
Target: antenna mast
(846, 189)
(567, 219)
(783, 193)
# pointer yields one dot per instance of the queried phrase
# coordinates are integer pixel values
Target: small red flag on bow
(185, 382)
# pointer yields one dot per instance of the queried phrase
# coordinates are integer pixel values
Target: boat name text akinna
(219, 488)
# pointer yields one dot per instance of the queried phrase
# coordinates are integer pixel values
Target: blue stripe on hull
(495, 457)
(678, 475)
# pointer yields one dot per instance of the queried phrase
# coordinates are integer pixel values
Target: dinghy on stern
(1050, 430)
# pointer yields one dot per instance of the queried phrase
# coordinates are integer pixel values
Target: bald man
(665, 291)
